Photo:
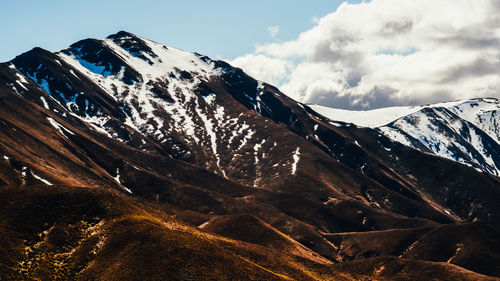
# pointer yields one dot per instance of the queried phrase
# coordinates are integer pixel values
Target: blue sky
(219, 28)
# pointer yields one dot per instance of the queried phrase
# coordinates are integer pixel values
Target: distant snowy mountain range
(467, 131)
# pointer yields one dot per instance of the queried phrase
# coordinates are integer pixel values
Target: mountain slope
(89, 234)
(203, 141)
(465, 131)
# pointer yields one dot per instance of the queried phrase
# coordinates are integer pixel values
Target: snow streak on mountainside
(465, 131)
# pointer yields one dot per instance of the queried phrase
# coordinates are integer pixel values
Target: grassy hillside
(71, 233)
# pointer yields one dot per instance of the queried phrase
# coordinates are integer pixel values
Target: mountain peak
(36, 51)
(121, 34)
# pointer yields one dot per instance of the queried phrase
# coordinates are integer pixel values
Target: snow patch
(41, 179)
(375, 117)
(296, 158)
(117, 179)
(45, 104)
(59, 127)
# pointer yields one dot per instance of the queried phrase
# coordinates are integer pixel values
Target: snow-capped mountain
(138, 92)
(178, 133)
(160, 100)
(466, 131)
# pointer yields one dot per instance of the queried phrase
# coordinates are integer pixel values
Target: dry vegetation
(71, 233)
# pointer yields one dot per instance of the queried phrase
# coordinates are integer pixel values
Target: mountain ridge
(467, 131)
(206, 143)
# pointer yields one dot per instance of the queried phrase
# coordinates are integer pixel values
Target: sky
(388, 53)
(353, 55)
(218, 28)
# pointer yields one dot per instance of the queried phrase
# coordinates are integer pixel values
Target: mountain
(466, 131)
(121, 146)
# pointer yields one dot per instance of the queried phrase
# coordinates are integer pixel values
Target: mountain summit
(124, 158)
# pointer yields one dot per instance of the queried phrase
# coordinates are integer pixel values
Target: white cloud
(273, 31)
(265, 68)
(315, 19)
(388, 52)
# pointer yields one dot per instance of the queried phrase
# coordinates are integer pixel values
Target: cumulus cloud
(270, 69)
(273, 31)
(388, 52)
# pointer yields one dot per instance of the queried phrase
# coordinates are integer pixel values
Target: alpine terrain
(466, 131)
(123, 159)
